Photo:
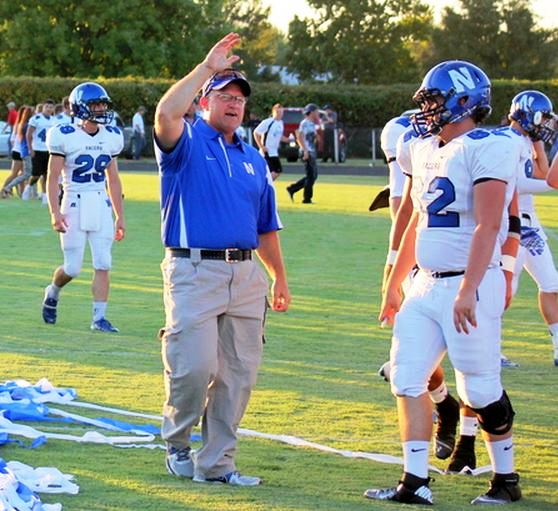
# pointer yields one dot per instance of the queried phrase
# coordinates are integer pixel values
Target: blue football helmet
(86, 93)
(534, 113)
(450, 92)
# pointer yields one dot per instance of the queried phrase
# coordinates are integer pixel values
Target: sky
(283, 11)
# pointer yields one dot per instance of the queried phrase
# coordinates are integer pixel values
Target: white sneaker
(26, 193)
(232, 478)
(45, 199)
(179, 462)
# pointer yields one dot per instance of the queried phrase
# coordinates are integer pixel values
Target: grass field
(318, 380)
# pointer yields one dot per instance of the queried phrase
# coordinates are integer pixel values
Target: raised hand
(218, 57)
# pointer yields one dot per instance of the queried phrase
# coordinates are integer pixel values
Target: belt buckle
(232, 255)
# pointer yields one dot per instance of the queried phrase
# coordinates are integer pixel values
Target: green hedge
(364, 106)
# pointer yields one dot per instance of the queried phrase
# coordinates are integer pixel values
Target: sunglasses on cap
(222, 78)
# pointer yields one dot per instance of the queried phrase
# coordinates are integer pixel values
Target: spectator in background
(329, 125)
(10, 121)
(17, 164)
(138, 126)
(268, 135)
(306, 137)
(21, 147)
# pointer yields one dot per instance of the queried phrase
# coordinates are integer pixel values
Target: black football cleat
(410, 490)
(503, 489)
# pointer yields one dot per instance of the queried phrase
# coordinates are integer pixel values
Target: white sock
(468, 426)
(99, 310)
(553, 329)
(501, 455)
(53, 291)
(415, 456)
(439, 394)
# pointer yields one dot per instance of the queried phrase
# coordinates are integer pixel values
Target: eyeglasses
(229, 98)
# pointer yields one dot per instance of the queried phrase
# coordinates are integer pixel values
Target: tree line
(347, 41)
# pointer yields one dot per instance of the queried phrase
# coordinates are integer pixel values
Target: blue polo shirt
(213, 194)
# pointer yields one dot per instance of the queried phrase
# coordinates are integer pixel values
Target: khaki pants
(211, 349)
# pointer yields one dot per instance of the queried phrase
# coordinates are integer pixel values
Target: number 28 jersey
(86, 156)
(442, 192)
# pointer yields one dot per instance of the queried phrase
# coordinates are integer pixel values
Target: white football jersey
(85, 156)
(442, 192)
(391, 132)
(403, 152)
(41, 124)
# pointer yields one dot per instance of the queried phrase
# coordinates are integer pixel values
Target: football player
(396, 135)
(391, 132)
(460, 194)
(84, 153)
(36, 134)
(531, 114)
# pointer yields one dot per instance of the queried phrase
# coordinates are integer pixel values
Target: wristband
(392, 254)
(508, 263)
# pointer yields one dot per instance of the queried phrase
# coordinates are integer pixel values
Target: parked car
(128, 131)
(292, 116)
(5, 132)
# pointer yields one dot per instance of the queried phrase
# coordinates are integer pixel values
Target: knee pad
(497, 417)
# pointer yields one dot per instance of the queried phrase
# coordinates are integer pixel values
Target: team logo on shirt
(248, 167)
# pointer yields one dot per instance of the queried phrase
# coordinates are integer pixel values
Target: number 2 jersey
(86, 156)
(443, 184)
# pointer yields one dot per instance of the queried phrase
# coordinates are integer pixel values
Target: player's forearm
(402, 217)
(114, 190)
(405, 259)
(540, 160)
(53, 192)
(482, 249)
